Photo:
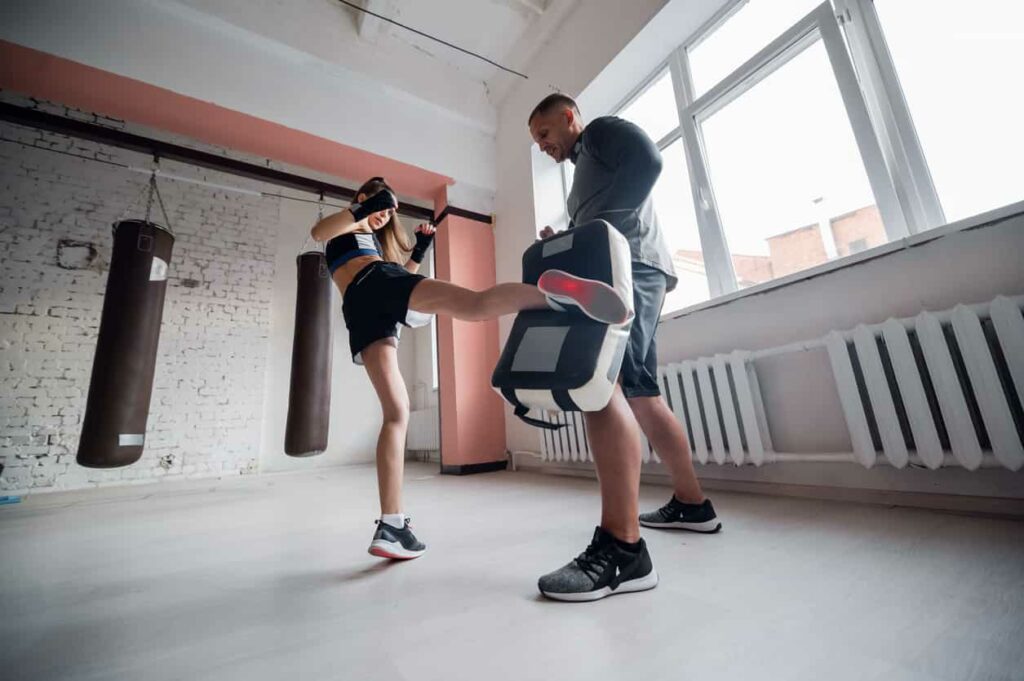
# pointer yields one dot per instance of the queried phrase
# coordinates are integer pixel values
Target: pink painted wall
(45, 76)
(472, 415)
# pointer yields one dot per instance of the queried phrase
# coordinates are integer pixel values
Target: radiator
(424, 431)
(941, 388)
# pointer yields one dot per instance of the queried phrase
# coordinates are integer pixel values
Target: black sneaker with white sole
(675, 515)
(605, 568)
(394, 543)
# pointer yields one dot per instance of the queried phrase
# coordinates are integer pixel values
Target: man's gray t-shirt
(617, 165)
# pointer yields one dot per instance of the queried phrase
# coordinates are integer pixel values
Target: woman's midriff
(344, 275)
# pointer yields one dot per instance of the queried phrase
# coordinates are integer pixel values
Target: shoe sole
(645, 583)
(706, 527)
(596, 299)
(392, 550)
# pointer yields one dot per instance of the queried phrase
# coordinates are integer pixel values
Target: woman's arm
(334, 225)
(347, 220)
(424, 236)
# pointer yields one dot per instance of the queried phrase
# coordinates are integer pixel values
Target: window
(797, 132)
(783, 163)
(749, 26)
(957, 63)
(655, 109)
(673, 203)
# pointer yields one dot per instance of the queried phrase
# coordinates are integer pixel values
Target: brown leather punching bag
(309, 398)
(114, 427)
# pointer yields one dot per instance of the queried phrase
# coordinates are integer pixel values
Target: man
(617, 165)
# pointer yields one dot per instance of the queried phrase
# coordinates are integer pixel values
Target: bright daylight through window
(789, 184)
(655, 110)
(770, 96)
(959, 65)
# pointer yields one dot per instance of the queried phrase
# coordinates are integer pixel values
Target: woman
(365, 245)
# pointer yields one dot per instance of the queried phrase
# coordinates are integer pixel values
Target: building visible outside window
(795, 133)
(784, 162)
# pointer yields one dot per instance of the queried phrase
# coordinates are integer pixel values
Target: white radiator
(942, 388)
(424, 431)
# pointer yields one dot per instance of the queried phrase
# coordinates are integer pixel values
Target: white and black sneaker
(605, 568)
(675, 515)
(394, 543)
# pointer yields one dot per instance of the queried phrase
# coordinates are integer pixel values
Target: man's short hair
(550, 102)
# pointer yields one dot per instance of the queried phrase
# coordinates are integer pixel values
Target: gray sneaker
(603, 569)
(396, 544)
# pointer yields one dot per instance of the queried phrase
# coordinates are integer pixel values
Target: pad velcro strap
(521, 411)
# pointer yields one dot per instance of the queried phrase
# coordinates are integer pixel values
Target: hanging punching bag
(309, 398)
(114, 426)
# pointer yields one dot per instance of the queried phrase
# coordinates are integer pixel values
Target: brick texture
(56, 213)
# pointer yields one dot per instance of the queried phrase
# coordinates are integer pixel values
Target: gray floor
(267, 578)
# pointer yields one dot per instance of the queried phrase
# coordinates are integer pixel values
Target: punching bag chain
(309, 244)
(154, 189)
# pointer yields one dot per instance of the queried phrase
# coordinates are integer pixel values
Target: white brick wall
(208, 393)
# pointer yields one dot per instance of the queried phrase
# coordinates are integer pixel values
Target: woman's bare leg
(432, 296)
(381, 362)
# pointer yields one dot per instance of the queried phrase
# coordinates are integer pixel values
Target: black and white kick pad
(564, 361)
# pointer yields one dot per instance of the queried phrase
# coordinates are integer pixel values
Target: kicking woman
(366, 246)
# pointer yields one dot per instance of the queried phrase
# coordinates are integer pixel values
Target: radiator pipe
(944, 317)
(512, 456)
(988, 460)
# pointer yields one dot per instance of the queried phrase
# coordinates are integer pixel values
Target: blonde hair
(392, 236)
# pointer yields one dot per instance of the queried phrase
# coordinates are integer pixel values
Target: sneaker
(594, 298)
(394, 543)
(603, 569)
(675, 515)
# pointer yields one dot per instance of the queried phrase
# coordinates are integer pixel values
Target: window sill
(980, 220)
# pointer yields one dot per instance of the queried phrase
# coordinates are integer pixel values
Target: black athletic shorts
(639, 376)
(376, 302)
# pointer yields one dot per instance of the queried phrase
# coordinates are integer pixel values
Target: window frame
(818, 24)
(876, 108)
(890, 114)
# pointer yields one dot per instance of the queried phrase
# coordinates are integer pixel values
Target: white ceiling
(509, 32)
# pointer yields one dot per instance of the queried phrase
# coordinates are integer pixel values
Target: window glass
(741, 36)
(957, 64)
(655, 109)
(673, 202)
(788, 179)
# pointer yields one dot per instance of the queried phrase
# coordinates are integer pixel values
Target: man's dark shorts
(639, 376)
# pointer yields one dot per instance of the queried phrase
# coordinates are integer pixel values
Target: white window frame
(890, 114)
(876, 108)
(819, 24)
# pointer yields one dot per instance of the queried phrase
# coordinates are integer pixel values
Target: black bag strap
(521, 411)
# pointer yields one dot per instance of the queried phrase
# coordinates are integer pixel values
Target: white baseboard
(1011, 507)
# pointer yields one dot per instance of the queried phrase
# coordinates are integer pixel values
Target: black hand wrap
(423, 242)
(382, 200)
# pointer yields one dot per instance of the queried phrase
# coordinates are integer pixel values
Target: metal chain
(131, 204)
(316, 245)
(160, 200)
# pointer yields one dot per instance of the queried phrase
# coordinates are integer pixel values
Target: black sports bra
(343, 248)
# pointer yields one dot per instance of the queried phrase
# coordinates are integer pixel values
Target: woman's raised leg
(432, 296)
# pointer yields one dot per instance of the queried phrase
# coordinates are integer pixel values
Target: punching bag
(309, 397)
(114, 427)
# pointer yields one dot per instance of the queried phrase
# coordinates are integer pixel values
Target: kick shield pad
(564, 361)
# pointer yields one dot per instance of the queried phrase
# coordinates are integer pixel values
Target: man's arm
(634, 158)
